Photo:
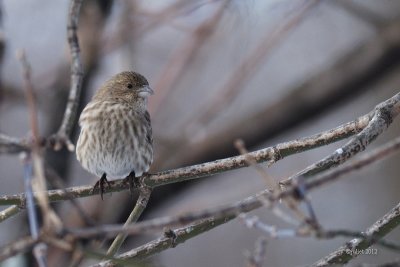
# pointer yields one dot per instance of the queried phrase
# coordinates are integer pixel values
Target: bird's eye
(130, 86)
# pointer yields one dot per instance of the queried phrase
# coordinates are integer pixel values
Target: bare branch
(141, 204)
(179, 236)
(9, 212)
(256, 259)
(383, 117)
(62, 136)
(17, 247)
(380, 228)
(12, 145)
(34, 162)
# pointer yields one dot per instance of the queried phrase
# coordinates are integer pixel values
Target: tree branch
(62, 137)
(12, 145)
(9, 212)
(141, 204)
(381, 120)
(380, 228)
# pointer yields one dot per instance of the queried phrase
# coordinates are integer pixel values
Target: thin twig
(141, 204)
(291, 203)
(34, 162)
(16, 247)
(274, 232)
(269, 180)
(256, 259)
(38, 183)
(62, 136)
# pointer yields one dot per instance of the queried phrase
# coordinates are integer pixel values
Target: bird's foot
(169, 233)
(100, 184)
(132, 181)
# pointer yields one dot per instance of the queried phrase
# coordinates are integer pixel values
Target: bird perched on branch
(116, 136)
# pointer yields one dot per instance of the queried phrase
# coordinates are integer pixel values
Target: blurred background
(263, 71)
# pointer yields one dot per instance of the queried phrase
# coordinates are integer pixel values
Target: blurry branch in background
(357, 71)
(152, 20)
(247, 68)
(50, 219)
(63, 135)
(361, 12)
(319, 233)
(183, 55)
(2, 49)
(257, 258)
(12, 145)
(34, 160)
(236, 80)
(19, 246)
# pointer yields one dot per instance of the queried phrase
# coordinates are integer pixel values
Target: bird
(115, 139)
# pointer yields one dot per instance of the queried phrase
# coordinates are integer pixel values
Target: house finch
(116, 136)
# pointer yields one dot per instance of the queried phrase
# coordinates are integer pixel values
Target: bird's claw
(100, 184)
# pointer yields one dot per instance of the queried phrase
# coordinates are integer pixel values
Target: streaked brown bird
(116, 136)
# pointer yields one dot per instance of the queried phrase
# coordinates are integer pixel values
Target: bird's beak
(146, 91)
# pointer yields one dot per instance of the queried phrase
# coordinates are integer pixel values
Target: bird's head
(128, 87)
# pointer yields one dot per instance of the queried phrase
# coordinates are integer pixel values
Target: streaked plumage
(116, 135)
